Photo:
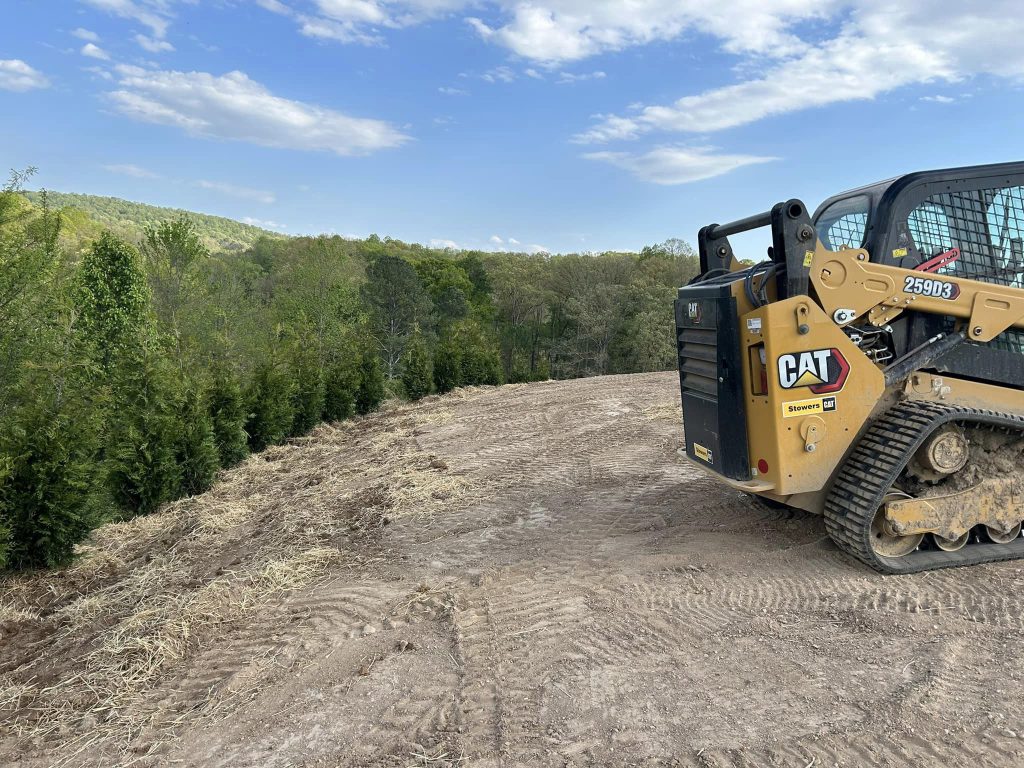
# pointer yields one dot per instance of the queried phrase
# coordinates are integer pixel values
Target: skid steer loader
(871, 369)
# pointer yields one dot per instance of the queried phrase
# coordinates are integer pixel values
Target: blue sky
(563, 125)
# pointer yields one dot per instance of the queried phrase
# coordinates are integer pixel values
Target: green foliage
(195, 444)
(130, 376)
(270, 399)
(341, 383)
(371, 391)
(114, 298)
(466, 358)
(228, 417)
(143, 469)
(129, 220)
(417, 373)
(397, 303)
(308, 390)
(48, 479)
(447, 366)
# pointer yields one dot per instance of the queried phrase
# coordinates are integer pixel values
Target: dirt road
(523, 576)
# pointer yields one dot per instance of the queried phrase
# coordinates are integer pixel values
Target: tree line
(132, 372)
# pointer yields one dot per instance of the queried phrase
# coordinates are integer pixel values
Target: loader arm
(850, 287)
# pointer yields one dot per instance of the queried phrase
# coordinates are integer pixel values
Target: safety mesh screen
(987, 226)
(847, 230)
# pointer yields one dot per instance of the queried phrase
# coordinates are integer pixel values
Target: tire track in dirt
(596, 601)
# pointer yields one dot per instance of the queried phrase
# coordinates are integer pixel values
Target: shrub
(447, 366)
(417, 374)
(341, 383)
(195, 446)
(269, 399)
(48, 485)
(371, 391)
(143, 469)
(228, 415)
(308, 391)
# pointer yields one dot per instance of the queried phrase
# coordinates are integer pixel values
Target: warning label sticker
(702, 453)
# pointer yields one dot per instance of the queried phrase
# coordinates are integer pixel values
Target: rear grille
(698, 361)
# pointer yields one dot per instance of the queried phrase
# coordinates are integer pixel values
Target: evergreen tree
(195, 445)
(143, 469)
(228, 414)
(270, 405)
(341, 382)
(49, 483)
(371, 391)
(447, 366)
(417, 373)
(308, 392)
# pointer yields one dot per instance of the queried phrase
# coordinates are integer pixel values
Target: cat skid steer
(871, 369)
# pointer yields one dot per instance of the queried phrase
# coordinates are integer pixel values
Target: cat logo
(693, 312)
(821, 370)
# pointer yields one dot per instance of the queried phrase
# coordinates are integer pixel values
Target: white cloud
(355, 21)
(511, 245)
(677, 165)
(551, 31)
(441, 243)
(879, 47)
(530, 72)
(153, 46)
(939, 99)
(135, 171)
(150, 13)
(264, 223)
(94, 52)
(501, 74)
(569, 77)
(233, 190)
(449, 91)
(86, 34)
(234, 107)
(16, 75)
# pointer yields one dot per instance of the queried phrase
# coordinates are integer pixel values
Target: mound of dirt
(521, 576)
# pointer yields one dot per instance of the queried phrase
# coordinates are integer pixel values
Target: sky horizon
(555, 125)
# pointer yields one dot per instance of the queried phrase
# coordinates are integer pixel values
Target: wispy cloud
(569, 77)
(233, 190)
(234, 107)
(93, 51)
(677, 165)
(264, 223)
(128, 169)
(86, 34)
(152, 45)
(150, 13)
(449, 91)
(16, 75)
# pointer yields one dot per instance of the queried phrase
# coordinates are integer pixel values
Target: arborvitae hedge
(418, 371)
(48, 483)
(228, 414)
(371, 391)
(270, 399)
(195, 445)
(308, 392)
(341, 381)
(143, 468)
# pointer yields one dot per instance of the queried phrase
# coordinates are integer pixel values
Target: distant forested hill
(128, 219)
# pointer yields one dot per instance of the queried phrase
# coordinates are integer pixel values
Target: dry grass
(146, 595)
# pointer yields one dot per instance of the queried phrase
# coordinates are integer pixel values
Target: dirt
(517, 576)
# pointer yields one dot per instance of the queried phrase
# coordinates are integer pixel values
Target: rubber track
(874, 466)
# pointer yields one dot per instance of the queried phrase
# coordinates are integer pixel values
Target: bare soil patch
(521, 576)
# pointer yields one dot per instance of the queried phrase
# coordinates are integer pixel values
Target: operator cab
(963, 222)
